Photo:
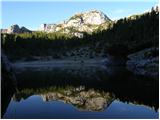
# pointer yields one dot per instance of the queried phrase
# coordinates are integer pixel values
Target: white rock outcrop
(80, 22)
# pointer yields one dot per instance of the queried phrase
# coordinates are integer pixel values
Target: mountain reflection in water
(94, 89)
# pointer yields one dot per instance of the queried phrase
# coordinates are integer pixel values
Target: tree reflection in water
(87, 88)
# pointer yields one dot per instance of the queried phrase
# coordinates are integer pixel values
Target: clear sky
(33, 13)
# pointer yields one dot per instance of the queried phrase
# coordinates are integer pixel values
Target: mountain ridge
(78, 23)
(15, 29)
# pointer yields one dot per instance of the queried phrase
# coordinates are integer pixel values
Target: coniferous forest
(122, 37)
(85, 67)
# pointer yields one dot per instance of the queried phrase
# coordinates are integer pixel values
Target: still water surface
(83, 92)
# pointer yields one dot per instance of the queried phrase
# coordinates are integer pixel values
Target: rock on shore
(145, 62)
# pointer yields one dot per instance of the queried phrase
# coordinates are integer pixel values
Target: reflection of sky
(35, 107)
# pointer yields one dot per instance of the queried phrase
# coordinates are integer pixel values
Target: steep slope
(81, 22)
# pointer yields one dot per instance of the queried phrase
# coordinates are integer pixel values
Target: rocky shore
(145, 62)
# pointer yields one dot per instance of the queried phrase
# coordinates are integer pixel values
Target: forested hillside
(122, 37)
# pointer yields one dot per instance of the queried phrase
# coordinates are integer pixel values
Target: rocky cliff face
(15, 29)
(79, 23)
(93, 17)
(76, 25)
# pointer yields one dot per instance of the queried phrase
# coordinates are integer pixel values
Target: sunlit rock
(80, 22)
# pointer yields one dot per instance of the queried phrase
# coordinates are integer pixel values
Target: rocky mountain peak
(93, 17)
(80, 22)
(15, 29)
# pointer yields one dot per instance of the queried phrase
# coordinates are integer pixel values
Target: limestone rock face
(94, 17)
(48, 27)
(81, 22)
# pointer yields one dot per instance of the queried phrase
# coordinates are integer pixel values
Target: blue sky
(33, 13)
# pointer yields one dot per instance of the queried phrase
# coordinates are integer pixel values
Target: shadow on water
(97, 87)
(8, 85)
(7, 91)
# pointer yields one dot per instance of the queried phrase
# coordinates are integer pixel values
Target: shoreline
(60, 63)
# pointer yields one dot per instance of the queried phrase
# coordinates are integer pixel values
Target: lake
(82, 92)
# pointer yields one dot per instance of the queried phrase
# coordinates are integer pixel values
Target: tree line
(125, 36)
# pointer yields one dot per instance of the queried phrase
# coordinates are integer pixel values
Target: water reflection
(83, 100)
(87, 88)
